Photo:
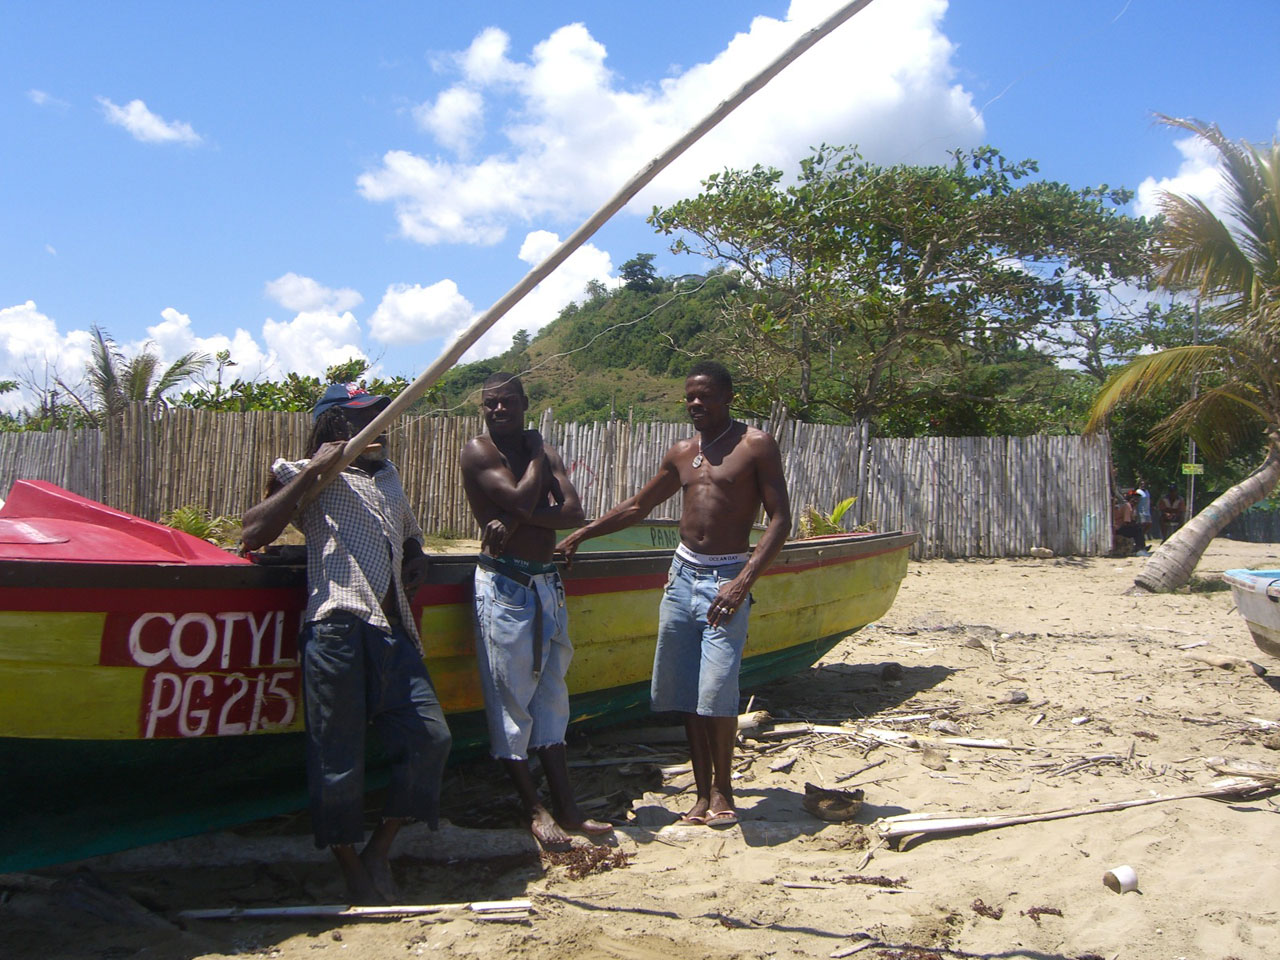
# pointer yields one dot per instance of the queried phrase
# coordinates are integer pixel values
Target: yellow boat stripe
(44, 637)
(61, 702)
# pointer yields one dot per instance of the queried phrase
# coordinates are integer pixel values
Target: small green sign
(1196, 468)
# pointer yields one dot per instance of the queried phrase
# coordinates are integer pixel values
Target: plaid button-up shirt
(355, 530)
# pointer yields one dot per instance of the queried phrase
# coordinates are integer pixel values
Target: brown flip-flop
(691, 820)
(722, 818)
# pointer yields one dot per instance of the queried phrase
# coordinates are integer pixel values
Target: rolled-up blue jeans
(354, 674)
(696, 665)
(522, 654)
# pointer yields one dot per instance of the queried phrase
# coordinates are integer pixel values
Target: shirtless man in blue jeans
(727, 473)
(520, 494)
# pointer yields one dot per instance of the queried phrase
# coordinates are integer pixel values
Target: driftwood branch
(1226, 662)
(481, 908)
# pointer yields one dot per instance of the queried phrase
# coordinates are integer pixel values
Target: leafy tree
(349, 371)
(860, 281)
(115, 381)
(639, 274)
(1098, 344)
(1234, 265)
(295, 392)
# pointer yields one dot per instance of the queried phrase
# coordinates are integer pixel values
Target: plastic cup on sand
(1121, 879)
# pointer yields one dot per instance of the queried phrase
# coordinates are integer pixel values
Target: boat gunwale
(1245, 579)
(443, 569)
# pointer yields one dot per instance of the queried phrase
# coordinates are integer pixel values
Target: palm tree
(117, 381)
(1233, 264)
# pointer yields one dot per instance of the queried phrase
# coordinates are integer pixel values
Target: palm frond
(136, 375)
(1261, 328)
(1239, 258)
(103, 370)
(1174, 367)
(1264, 242)
(186, 366)
(1195, 249)
(1217, 419)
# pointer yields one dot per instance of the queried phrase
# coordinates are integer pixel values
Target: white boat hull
(1257, 596)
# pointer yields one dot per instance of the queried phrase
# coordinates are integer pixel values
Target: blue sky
(301, 182)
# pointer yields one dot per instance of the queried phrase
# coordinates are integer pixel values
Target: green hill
(618, 353)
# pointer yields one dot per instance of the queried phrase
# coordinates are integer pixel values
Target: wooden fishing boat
(149, 683)
(651, 535)
(1257, 596)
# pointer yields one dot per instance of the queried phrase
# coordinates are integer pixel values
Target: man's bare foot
(378, 870)
(546, 831)
(592, 828)
(361, 890)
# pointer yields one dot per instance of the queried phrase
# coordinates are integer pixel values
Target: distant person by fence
(1126, 524)
(1172, 510)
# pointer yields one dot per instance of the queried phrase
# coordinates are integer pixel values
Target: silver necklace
(698, 460)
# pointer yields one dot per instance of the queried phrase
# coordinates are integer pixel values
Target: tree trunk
(1173, 563)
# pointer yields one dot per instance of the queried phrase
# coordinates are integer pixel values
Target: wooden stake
(913, 824)
(343, 910)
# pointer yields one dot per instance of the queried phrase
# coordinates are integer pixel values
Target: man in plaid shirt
(361, 656)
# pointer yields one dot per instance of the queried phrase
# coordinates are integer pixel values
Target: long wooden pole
(909, 825)
(535, 276)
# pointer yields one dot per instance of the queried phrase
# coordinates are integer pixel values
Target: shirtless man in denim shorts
(520, 494)
(727, 473)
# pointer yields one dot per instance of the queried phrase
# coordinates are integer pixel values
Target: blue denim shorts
(526, 698)
(696, 665)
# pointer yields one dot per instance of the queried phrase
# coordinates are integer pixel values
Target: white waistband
(710, 559)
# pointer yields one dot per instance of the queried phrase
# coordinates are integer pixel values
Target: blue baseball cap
(349, 395)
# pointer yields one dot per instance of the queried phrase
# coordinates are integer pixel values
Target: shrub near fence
(966, 496)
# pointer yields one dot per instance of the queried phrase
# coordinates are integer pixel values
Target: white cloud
(32, 348)
(413, 313)
(575, 132)
(298, 293)
(50, 249)
(146, 126)
(33, 352)
(173, 337)
(544, 303)
(42, 98)
(313, 341)
(454, 118)
(410, 314)
(1199, 175)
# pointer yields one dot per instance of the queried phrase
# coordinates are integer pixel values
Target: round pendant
(697, 461)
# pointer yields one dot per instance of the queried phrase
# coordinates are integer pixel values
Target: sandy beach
(1096, 692)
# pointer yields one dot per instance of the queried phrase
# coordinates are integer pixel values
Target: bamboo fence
(70, 458)
(965, 496)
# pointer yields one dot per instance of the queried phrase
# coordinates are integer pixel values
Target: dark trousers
(1134, 532)
(354, 674)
